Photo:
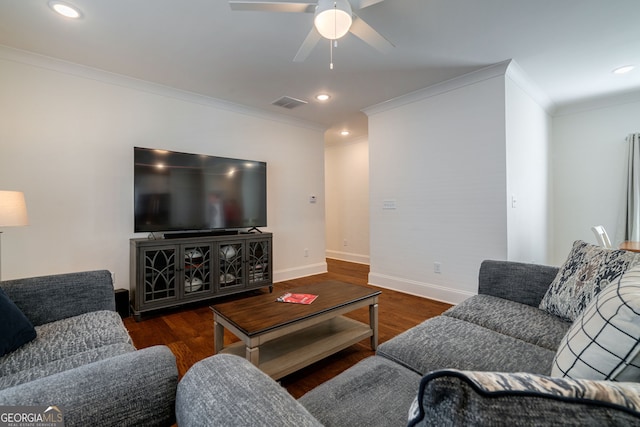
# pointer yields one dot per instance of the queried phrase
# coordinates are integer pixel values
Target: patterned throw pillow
(604, 341)
(588, 270)
(453, 397)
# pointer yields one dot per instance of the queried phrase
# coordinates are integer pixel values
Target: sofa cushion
(511, 318)
(46, 299)
(516, 281)
(63, 338)
(137, 388)
(604, 341)
(15, 328)
(452, 398)
(588, 270)
(60, 365)
(373, 392)
(446, 342)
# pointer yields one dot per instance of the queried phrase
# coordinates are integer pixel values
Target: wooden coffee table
(281, 338)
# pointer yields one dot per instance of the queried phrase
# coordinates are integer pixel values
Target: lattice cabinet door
(231, 264)
(259, 261)
(159, 274)
(167, 273)
(197, 266)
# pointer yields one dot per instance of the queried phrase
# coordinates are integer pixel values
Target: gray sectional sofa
(486, 361)
(82, 359)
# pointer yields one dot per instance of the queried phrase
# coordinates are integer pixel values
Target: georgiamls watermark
(31, 416)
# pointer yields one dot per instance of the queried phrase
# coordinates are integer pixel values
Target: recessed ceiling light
(322, 97)
(344, 133)
(623, 70)
(65, 9)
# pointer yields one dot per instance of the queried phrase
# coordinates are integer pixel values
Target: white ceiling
(566, 47)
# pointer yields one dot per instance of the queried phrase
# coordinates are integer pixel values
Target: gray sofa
(485, 361)
(82, 360)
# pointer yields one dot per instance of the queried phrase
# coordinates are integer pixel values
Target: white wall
(67, 135)
(347, 204)
(439, 155)
(528, 134)
(589, 161)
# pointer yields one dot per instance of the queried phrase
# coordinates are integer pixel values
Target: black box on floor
(122, 302)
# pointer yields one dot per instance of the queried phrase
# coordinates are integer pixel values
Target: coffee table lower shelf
(289, 353)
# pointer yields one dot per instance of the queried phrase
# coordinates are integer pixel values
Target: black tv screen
(184, 192)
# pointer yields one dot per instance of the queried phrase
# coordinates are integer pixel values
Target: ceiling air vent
(288, 102)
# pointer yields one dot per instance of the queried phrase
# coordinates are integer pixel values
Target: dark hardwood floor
(188, 331)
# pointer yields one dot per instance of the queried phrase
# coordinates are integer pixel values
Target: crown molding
(508, 68)
(85, 72)
(473, 77)
(517, 75)
(598, 102)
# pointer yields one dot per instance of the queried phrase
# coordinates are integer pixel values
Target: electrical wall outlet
(437, 267)
(306, 252)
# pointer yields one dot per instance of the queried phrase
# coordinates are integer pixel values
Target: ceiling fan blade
(367, 34)
(361, 4)
(307, 45)
(273, 6)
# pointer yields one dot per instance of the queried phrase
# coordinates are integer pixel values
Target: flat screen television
(191, 192)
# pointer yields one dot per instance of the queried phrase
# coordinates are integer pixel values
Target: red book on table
(297, 298)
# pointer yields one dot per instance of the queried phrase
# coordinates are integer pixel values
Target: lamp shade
(13, 209)
(333, 18)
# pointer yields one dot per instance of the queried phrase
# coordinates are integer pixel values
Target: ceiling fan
(333, 19)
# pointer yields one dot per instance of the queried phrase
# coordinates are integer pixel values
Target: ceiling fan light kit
(333, 18)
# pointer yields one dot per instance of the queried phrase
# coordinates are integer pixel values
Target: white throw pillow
(604, 341)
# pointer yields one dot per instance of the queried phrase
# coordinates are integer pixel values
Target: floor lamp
(13, 213)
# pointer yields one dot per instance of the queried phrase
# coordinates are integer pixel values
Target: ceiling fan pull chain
(330, 55)
(333, 43)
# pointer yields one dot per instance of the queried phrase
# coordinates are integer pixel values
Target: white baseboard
(347, 256)
(421, 289)
(297, 272)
